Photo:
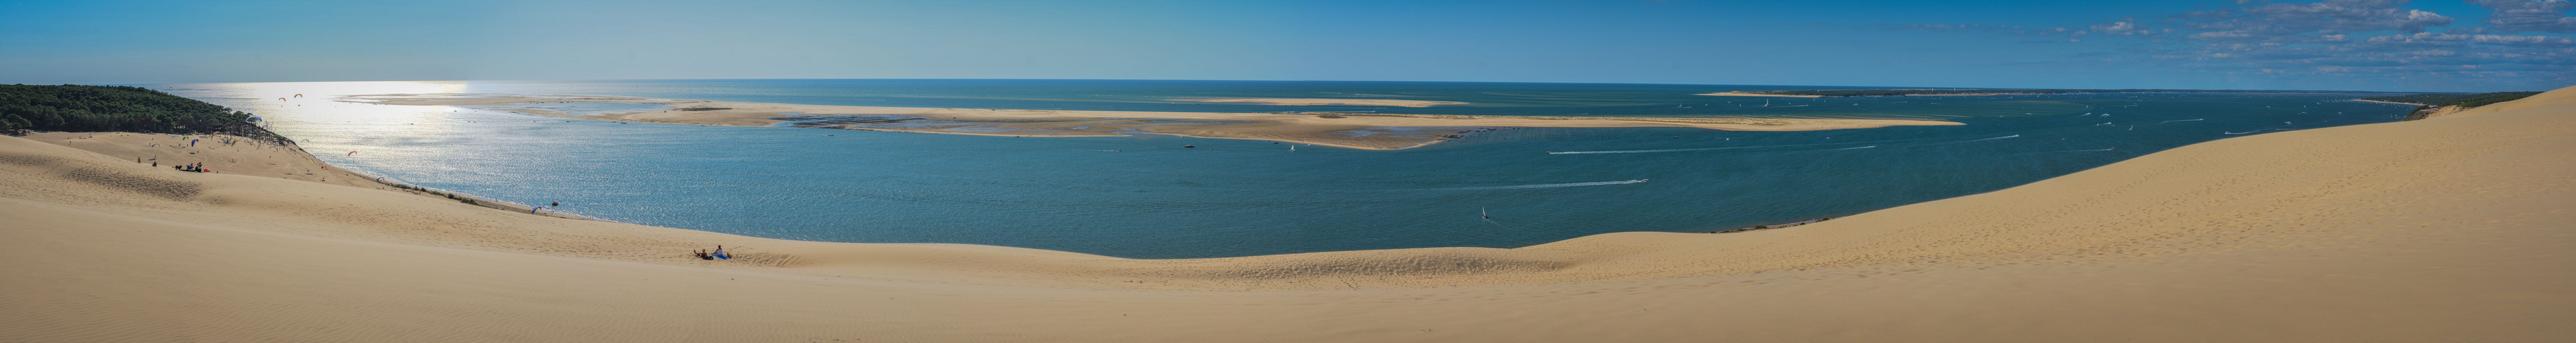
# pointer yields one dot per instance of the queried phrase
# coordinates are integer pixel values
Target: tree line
(80, 108)
(2461, 100)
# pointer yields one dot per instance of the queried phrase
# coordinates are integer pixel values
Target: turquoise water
(1146, 197)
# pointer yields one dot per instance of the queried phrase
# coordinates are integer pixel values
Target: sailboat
(1480, 212)
(1292, 148)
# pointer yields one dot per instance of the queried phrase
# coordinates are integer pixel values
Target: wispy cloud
(2328, 17)
(2371, 38)
(2511, 16)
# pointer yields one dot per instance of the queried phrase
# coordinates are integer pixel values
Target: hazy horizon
(1390, 81)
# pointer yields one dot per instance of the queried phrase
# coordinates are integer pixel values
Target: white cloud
(2334, 15)
(2120, 28)
(2222, 35)
(2529, 15)
(2349, 38)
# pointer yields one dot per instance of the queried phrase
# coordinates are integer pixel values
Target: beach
(2446, 229)
(1330, 102)
(1338, 129)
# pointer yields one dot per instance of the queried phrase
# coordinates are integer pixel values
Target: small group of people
(718, 254)
(191, 167)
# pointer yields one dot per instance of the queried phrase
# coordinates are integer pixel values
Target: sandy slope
(2451, 229)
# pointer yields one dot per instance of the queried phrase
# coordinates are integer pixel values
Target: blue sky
(2476, 45)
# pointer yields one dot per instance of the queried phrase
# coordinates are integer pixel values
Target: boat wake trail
(1989, 139)
(1851, 148)
(2059, 151)
(2240, 133)
(1634, 151)
(1549, 185)
(2169, 121)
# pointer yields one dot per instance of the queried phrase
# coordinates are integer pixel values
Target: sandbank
(1330, 102)
(2446, 229)
(1349, 130)
(2388, 102)
(1760, 95)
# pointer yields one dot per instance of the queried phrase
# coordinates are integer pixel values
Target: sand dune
(2449, 229)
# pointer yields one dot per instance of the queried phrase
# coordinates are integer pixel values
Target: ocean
(1147, 197)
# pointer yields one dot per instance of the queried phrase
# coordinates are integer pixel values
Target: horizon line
(1256, 80)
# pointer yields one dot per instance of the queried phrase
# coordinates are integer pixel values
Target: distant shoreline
(1330, 102)
(1337, 129)
(1897, 92)
(2389, 102)
(1760, 95)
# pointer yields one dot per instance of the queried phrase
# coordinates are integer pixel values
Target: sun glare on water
(309, 90)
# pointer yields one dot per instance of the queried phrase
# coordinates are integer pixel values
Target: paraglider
(352, 153)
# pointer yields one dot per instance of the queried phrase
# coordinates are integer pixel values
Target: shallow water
(1147, 197)
(580, 108)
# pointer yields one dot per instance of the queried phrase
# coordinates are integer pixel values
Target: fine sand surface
(2450, 229)
(1349, 130)
(1330, 102)
(240, 157)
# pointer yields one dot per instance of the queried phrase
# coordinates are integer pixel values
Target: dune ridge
(2447, 229)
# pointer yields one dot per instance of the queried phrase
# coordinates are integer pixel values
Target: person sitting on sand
(720, 253)
(702, 254)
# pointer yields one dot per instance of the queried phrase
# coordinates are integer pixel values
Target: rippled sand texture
(1329, 129)
(2448, 229)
